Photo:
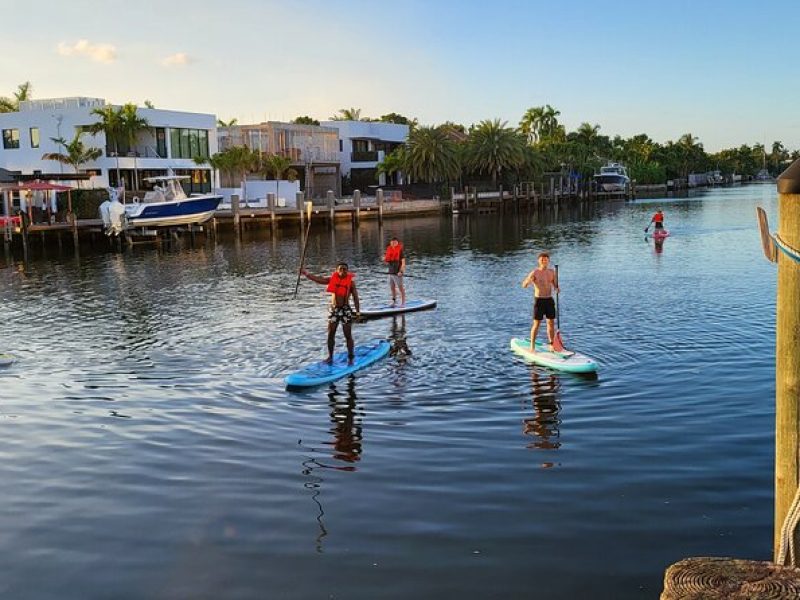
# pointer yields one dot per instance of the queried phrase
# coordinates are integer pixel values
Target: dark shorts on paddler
(544, 308)
(340, 314)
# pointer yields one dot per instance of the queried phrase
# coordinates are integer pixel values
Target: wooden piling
(379, 202)
(787, 354)
(299, 203)
(271, 199)
(236, 216)
(331, 200)
(356, 207)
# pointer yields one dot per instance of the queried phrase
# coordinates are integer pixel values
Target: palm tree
(347, 114)
(432, 156)
(539, 123)
(231, 123)
(110, 124)
(494, 148)
(131, 124)
(75, 153)
(232, 163)
(277, 165)
(12, 104)
(393, 162)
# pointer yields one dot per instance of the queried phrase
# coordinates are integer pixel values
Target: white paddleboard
(7, 359)
(387, 310)
(571, 362)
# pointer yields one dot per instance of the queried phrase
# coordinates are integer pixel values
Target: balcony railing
(364, 156)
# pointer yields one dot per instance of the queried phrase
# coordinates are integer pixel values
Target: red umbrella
(34, 186)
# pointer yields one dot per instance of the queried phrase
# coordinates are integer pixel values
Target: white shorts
(396, 279)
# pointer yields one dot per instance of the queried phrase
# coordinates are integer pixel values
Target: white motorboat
(169, 206)
(612, 178)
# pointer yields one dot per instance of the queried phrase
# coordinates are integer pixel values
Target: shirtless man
(341, 286)
(544, 282)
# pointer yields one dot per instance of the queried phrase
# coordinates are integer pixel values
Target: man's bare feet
(329, 360)
(350, 360)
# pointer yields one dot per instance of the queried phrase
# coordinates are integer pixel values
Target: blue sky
(722, 70)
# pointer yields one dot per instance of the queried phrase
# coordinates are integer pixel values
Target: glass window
(161, 142)
(10, 139)
(34, 137)
(204, 143)
(175, 142)
(194, 143)
(184, 144)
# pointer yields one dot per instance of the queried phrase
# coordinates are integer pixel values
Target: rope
(787, 553)
(772, 242)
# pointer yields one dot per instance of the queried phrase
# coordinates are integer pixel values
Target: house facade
(168, 146)
(313, 150)
(363, 145)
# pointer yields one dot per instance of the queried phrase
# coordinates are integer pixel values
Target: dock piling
(236, 215)
(331, 200)
(356, 207)
(379, 202)
(787, 356)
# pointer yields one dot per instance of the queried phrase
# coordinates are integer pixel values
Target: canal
(150, 450)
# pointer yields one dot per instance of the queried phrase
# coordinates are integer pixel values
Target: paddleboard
(571, 362)
(387, 310)
(660, 234)
(321, 372)
(7, 359)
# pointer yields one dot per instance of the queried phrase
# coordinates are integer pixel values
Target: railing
(364, 156)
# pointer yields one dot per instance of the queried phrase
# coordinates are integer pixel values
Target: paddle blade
(309, 205)
(558, 342)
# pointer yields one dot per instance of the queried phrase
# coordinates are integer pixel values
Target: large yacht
(612, 178)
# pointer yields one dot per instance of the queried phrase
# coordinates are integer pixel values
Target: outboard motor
(105, 215)
(112, 211)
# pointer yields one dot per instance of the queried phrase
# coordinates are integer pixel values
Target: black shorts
(659, 225)
(340, 314)
(544, 308)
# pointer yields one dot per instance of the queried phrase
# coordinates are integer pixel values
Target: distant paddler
(341, 286)
(544, 281)
(395, 259)
(657, 221)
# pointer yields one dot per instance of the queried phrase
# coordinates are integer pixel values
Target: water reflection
(544, 425)
(397, 338)
(346, 431)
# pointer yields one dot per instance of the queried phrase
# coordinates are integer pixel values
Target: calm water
(149, 449)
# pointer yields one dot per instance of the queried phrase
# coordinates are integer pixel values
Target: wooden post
(502, 200)
(356, 206)
(236, 217)
(379, 202)
(787, 353)
(7, 215)
(299, 202)
(271, 199)
(331, 199)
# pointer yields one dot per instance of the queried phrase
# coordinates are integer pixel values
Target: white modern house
(167, 147)
(363, 145)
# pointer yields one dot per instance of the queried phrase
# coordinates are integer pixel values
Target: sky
(723, 70)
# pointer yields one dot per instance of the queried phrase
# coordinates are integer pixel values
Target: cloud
(181, 59)
(103, 53)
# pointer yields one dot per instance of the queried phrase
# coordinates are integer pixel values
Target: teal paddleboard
(571, 362)
(321, 372)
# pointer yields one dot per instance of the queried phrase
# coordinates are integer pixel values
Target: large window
(161, 142)
(34, 137)
(10, 138)
(189, 143)
(199, 183)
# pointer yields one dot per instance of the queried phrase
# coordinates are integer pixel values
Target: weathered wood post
(501, 195)
(299, 203)
(379, 202)
(7, 215)
(236, 216)
(787, 353)
(331, 200)
(356, 206)
(271, 198)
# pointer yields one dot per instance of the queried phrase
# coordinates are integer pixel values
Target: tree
(12, 104)
(231, 123)
(431, 155)
(540, 123)
(347, 114)
(75, 153)
(110, 124)
(278, 165)
(131, 124)
(393, 162)
(494, 148)
(305, 120)
(398, 119)
(148, 104)
(233, 163)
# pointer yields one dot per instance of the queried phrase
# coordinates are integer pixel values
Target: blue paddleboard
(387, 310)
(321, 372)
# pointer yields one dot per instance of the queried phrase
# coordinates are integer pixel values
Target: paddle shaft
(403, 275)
(303, 254)
(558, 312)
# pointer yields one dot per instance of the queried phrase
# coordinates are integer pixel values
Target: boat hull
(187, 211)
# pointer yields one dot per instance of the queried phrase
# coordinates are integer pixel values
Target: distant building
(313, 150)
(168, 147)
(363, 145)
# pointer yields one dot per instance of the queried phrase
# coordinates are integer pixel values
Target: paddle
(403, 275)
(558, 341)
(305, 245)
(648, 226)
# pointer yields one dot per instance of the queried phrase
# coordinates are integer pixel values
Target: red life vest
(393, 253)
(658, 218)
(340, 285)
